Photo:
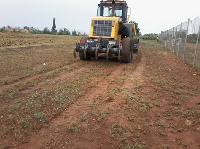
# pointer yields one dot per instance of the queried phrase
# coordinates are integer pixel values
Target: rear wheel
(127, 54)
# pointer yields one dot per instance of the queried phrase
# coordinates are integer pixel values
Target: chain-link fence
(184, 40)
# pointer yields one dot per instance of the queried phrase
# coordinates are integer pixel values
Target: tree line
(54, 31)
(46, 30)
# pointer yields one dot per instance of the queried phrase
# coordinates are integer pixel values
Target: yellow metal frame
(115, 27)
(134, 28)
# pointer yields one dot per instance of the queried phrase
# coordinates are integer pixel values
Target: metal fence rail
(184, 40)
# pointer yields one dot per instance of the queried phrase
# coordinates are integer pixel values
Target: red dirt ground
(152, 102)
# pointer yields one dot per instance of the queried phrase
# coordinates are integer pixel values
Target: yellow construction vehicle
(110, 33)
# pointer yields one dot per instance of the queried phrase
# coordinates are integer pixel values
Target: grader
(110, 33)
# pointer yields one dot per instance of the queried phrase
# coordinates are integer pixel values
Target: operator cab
(112, 8)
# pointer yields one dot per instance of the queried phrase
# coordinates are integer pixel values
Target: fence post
(179, 39)
(173, 40)
(195, 54)
(184, 54)
(167, 40)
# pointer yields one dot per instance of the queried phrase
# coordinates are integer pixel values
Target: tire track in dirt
(34, 77)
(81, 104)
(28, 46)
(63, 76)
(134, 79)
(113, 102)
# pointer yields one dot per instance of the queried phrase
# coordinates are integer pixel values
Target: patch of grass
(114, 90)
(135, 146)
(161, 133)
(94, 104)
(25, 122)
(131, 117)
(158, 104)
(145, 105)
(175, 102)
(156, 96)
(116, 129)
(40, 116)
(84, 117)
(179, 92)
(51, 74)
(101, 116)
(160, 124)
(72, 128)
(190, 113)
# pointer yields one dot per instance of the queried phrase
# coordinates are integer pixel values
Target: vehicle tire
(82, 57)
(126, 51)
(135, 41)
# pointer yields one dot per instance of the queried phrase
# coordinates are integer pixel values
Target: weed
(175, 102)
(25, 122)
(14, 107)
(160, 124)
(194, 88)
(50, 74)
(131, 118)
(161, 133)
(190, 113)
(116, 129)
(107, 112)
(84, 117)
(145, 105)
(123, 88)
(192, 94)
(130, 96)
(178, 92)
(156, 96)
(135, 146)
(40, 116)
(72, 128)
(114, 90)
(158, 104)
(117, 115)
(101, 116)
(94, 104)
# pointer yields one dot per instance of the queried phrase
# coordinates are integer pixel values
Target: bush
(64, 32)
(46, 31)
(149, 36)
(2, 29)
(192, 38)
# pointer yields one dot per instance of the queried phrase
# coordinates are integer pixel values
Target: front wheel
(127, 54)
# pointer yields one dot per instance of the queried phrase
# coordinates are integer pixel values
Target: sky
(152, 16)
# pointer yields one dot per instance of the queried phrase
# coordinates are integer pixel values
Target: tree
(2, 29)
(64, 31)
(53, 30)
(26, 27)
(149, 36)
(46, 31)
(74, 33)
(33, 30)
(136, 26)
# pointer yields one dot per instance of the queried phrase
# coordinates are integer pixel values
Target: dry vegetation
(48, 99)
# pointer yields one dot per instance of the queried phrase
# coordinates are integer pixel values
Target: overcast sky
(153, 16)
